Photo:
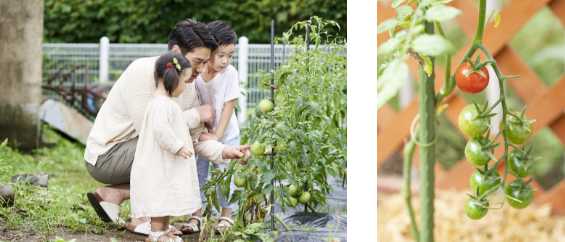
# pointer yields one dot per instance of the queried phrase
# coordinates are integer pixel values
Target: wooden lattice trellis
(546, 104)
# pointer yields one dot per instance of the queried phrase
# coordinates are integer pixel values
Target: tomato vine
(411, 33)
(305, 132)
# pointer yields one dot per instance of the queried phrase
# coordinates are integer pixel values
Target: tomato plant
(412, 35)
(302, 131)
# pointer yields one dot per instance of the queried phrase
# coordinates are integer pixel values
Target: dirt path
(16, 235)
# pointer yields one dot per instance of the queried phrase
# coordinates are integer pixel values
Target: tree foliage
(145, 21)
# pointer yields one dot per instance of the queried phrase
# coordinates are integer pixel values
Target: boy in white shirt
(218, 86)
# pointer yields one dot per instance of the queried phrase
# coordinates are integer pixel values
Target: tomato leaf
(429, 67)
(396, 3)
(441, 108)
(237, 194)
(387, 47)
(436, 2)
(267, 176)
(215, 201)
(283, 191)
(513, 198)
(478, 60)
(225, 188)
(268, 188)
(480, 73)
(386, 25)
(403, 12)
(432, 45)
(496, 19)
(391, 81)
(441, 13)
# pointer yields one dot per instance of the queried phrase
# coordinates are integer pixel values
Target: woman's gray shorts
(114, 166)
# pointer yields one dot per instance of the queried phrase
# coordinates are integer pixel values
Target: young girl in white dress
(163, 180)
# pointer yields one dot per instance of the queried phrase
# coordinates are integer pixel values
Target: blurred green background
(540, 43)
(151, 21)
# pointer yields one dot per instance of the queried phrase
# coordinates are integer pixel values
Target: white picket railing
(106, 61)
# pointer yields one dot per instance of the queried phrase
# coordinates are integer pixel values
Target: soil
(17, 235)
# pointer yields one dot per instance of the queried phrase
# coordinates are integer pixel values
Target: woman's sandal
(156, 235)
(195, 229)
(219, 227)
(107, 212)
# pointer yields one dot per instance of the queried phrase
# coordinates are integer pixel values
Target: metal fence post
(104, 58)
(242, 60)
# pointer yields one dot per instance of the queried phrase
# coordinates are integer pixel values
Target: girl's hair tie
(169, 65)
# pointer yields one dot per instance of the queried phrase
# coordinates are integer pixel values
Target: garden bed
(451, 224)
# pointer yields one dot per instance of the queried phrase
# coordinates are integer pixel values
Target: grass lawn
(45, 213)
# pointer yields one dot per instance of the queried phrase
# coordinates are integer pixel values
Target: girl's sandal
(195, 229)
(156, 235)
(219, 227)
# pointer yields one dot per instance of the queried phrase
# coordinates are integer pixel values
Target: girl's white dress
(162, 183)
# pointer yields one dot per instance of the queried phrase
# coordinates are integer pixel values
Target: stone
(7, 194)
(35, 179)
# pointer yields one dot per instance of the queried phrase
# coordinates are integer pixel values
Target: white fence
(106, 61)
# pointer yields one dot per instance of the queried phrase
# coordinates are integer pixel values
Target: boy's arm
(225, 118)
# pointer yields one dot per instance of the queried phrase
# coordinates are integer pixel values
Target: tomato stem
(408, 152)
(427, 134)
(481, 25)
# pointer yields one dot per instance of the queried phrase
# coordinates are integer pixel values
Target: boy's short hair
(190, 34)
(223, 33)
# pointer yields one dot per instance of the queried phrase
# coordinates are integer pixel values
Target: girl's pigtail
(170, 80)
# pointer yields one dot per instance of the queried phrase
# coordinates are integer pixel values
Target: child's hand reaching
(208, 136)
(184, 152)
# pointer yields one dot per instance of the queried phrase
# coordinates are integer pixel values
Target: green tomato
(266, 106)
(293, 190)
(291, 201)
(240, 167)
(279, 127)
(518, 165)
(474, 152)
(474, 210)
(484, 184)
(513, 190)
(304, 197)
(257, 148)
(518, 134)
(280, 147)
(467, 123)
(239, 182)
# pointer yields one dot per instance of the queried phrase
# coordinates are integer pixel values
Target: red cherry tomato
(472, 84)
